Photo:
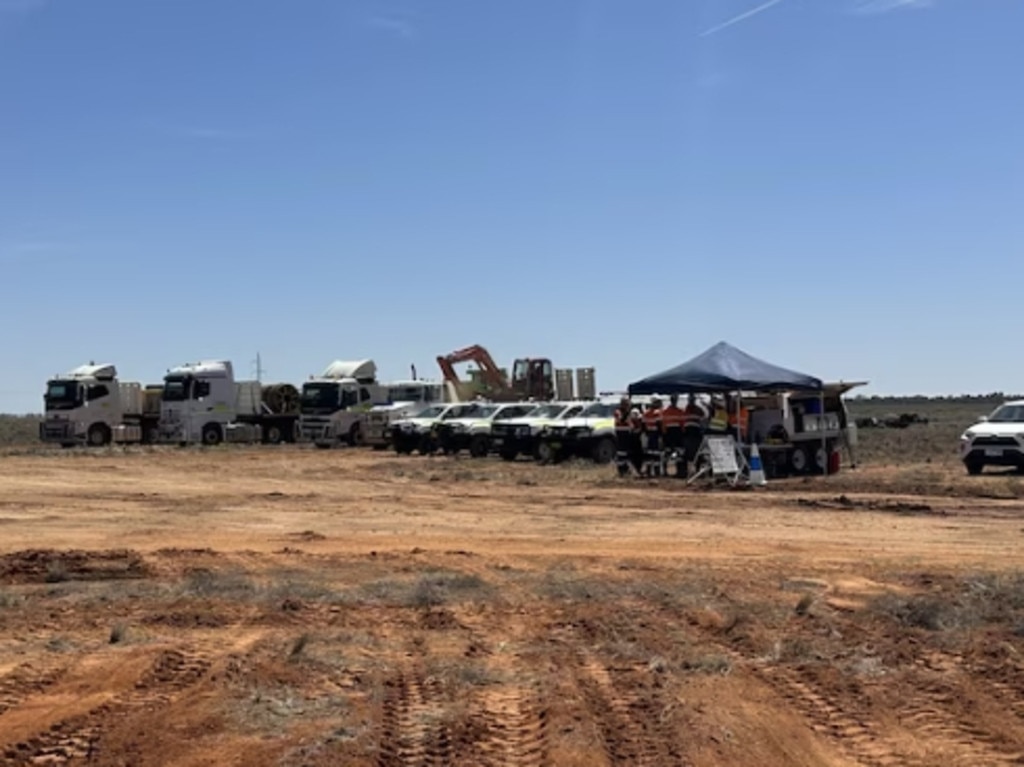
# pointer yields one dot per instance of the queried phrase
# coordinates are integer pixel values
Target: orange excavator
(532, 378)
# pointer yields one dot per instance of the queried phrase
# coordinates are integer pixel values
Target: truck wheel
(150, 435)
(274, 435)
(355, 436)
(800, 460)
(974, 468)
(544, 453)
(212, 434)
(98, 435)
(604, 451)
(479, 446)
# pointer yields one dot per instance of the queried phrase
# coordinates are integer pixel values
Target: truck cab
(334, 405)
(89, 406)
(201, 402)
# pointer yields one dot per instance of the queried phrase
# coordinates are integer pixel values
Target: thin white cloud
(866, 7)
(740, 17)
(394, 25)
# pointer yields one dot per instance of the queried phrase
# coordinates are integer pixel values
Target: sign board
(722, 452)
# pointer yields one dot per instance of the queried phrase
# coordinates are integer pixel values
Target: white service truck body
(335, 404)
(202, 402)
(90, 406)
(404, 399)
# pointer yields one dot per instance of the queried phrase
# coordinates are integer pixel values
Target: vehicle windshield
(175, 389)
(545, 411)
(320, 398)
(598, 410)
(62, 395)
(464, 411)
(1007, 414)
(431, 412)
(411, 394)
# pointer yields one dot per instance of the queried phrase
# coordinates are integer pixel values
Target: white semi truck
(335, 404)
(90, 406)
(202, 402)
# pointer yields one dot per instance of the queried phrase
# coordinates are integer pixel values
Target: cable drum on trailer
(281, 398)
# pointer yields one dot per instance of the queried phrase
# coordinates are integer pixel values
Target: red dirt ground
(294, 607)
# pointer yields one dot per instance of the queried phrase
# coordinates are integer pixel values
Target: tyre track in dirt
(854, 733)
(625, 701)
(514, 724)
(414, 732)
(26, 680)
(926, 712)
(172, 672)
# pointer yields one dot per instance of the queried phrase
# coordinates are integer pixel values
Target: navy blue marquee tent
(724, 368)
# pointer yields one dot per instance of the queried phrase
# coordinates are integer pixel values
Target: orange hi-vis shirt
(652, 419)
(673, 417)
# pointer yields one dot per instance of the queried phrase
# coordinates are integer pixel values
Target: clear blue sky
(836, 186)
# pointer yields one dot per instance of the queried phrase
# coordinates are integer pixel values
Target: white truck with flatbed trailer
(334, 404)
(202, 402)
(90, 406)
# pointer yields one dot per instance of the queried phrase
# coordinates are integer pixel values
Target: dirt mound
(55, 566)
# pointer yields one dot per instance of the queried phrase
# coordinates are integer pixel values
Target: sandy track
(290, 607)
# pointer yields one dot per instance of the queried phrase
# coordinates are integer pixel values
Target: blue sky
(832, 185)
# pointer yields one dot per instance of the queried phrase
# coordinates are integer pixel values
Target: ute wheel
(98, 435)
(974, 468)
(212, 434)
(545, 453)
(274, 435)
(479, 446)
(604, 451)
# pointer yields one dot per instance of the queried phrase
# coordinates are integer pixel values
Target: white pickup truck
(996, 440)
(520, 436)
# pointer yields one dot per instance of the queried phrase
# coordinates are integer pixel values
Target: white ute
(996, 440)
(404, 399)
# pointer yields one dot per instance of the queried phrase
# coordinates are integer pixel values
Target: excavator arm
(491, 373)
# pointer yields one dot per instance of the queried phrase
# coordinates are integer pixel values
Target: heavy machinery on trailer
(335, 403)
(202, 402)
(404, 398)
(533, 378)
(90, 406)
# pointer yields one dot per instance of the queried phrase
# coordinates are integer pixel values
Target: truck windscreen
(175, 389)
(320, 398)
(62, 395)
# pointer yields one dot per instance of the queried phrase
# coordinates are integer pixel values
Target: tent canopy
(724, 368)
